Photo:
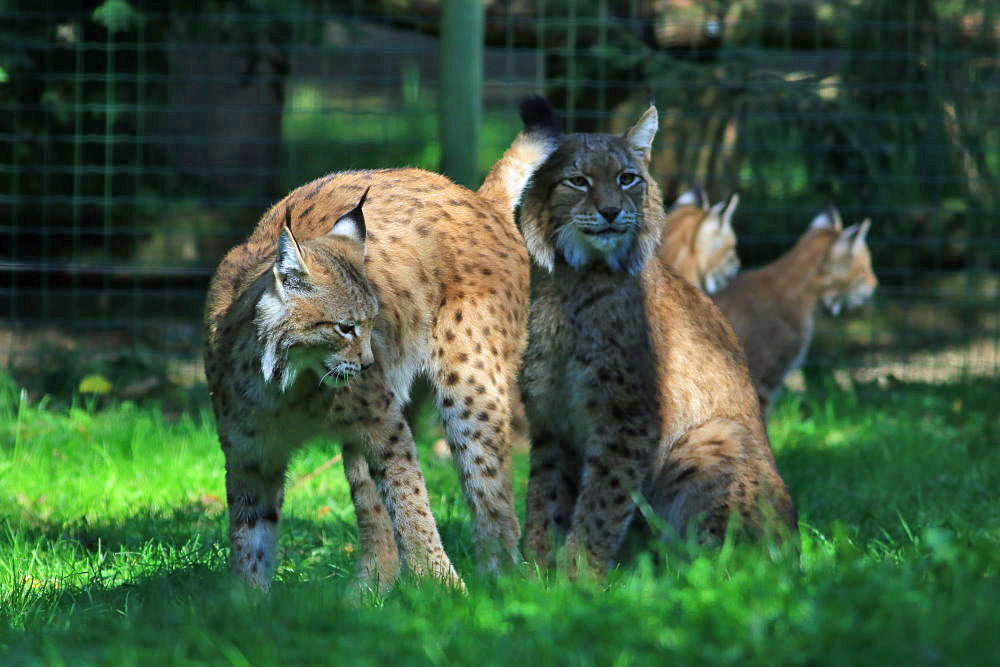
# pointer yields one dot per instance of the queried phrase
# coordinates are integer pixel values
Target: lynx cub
(633, 381)
(317, 324)
(698, 240)
(773, 309)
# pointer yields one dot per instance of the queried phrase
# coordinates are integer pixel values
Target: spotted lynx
(773, 309)
(633, 381)
(698, 240)
(316, 326)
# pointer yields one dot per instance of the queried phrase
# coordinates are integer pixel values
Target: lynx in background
(316, 326)
(633, 381)
(773, 309)
(698, 240)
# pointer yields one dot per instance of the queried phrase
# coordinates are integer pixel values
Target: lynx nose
(610, 213)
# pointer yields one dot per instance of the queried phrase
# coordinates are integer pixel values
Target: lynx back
(773, 308)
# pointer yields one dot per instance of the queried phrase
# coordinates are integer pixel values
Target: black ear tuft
(701, 196)
(352, 223)
(539, 116)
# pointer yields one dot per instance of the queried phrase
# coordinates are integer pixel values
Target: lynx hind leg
(378, 557)
(474, 363)
(553, 484)
(717, 472)
(254, 493)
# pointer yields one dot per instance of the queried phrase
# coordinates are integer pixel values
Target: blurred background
(140, 140)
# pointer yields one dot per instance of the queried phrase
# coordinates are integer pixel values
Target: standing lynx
(773, 309)
(698, 240)
(633, 381)
(316, 326)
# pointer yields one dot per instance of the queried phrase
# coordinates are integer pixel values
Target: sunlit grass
(112, 551)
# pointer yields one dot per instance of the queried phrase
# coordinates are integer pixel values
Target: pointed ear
(351, 225)
(859, 238)
(727, 214)
(289, 267)
(717, 213)
(847, 240)
(828, 219)
(639, 137)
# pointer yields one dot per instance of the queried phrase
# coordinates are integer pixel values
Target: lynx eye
(346, 328)
(627, 179)
(578, 182)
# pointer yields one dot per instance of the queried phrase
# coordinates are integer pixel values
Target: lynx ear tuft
(351, 225)
(539, 116)
(289, 267)
(639, 137)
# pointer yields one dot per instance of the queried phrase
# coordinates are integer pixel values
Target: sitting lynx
(316, 326)
(698, 240)
(773, 309)
(633, 381)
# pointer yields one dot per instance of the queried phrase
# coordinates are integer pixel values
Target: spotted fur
(316, 327)
(633, 382)
(773, 308)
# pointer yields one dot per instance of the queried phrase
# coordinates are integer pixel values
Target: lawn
(112, 551)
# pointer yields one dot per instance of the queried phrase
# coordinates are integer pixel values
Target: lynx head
(317, 308)
(715, 246)
(593, 201)
(847, 273)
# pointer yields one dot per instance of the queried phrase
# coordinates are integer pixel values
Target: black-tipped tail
(539, 116)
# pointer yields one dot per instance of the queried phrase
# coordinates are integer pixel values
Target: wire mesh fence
(139, 141)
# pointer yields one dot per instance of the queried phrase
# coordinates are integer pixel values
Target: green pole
(460, 97)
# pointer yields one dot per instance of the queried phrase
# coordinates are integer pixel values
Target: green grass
(112, 551)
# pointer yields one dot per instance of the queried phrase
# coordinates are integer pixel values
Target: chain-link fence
(138, 142)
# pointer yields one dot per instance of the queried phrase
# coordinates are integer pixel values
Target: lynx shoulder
(316, 326)
(773, 308)
(633, 381)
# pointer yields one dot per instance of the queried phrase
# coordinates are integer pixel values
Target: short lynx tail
(509, 176)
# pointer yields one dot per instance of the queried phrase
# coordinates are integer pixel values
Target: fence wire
(138, 141)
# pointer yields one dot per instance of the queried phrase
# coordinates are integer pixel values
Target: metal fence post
(460, 97)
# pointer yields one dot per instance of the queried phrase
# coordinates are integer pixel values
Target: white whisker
(325, 376)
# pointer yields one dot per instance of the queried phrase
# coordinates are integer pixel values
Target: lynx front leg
(613, 471)
(392, 461)
(254, 493)
(378, 561)
(476, 351)
(553, 485)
